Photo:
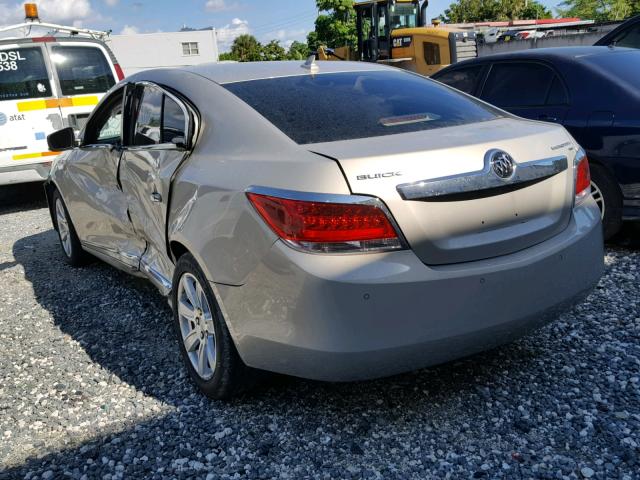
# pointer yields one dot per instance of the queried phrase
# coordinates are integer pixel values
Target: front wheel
(606, 193)
(205, 342)
(69, 241)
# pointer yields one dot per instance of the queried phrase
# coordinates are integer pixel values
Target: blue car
(626, 35)
(594, 92)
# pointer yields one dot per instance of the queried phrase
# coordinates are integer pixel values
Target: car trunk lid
(447, 198)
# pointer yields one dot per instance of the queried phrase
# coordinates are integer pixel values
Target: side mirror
(64, 139)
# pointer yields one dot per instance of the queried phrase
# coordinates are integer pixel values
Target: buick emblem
(502, 164)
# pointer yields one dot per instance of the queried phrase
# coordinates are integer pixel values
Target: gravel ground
(92, 387)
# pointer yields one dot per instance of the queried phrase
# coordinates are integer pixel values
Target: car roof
(562, 54)
(223, 73)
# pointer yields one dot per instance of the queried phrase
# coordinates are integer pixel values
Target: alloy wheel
(63, 227)
(599, 198)
(196, 326)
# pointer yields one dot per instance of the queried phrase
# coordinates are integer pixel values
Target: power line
(282, 24)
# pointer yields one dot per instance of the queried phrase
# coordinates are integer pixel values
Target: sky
(283, 20)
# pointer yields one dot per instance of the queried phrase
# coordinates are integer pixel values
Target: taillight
(321, 224)
(119, 71)
(43, 39)
(583, 176)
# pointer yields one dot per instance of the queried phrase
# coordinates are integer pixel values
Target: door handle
(156, 197)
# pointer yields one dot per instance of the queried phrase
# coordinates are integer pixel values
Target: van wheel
(606, 193)
(205, 342)
(69, 241)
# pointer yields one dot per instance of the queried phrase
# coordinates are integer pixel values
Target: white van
(47, 83)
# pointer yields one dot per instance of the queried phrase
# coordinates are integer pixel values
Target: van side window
(82, 70)
(23, 74)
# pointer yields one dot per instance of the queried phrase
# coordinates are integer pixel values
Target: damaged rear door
(158, 143)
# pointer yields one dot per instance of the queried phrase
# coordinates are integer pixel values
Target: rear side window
(160, 119)
(557, 93)
(82, 70)
(149, 121)
(464, 79)
(518, 84)
(23, 74)
(173, 122)
(343, 106)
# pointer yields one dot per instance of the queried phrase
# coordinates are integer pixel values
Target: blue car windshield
(344, 106)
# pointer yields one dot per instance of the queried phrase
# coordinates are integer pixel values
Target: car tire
(69, 241)
(205, 343)
(607, 194)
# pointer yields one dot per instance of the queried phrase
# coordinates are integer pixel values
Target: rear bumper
(342, 318)
(21, 173)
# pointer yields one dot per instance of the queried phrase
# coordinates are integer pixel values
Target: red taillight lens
(43, 39)
(583, 176)
(325, 226)
(119, 71)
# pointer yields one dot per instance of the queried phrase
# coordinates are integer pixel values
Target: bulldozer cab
(395, 32)
(375, 22)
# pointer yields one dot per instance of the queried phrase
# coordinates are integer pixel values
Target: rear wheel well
(177, 250)
(49, 189)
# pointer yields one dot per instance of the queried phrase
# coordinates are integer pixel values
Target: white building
(165, 49)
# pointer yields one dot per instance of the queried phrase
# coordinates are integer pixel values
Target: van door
(84, 74)
(157, 147)
(28, 107)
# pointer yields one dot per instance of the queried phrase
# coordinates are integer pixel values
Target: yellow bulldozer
(397, 32)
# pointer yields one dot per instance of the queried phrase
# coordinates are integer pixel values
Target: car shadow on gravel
(628, 238)
(123, 325)
(22, 197)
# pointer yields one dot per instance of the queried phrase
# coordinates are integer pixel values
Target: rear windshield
(23, 74)
(345, 106)
(623, 66)
(82, 70)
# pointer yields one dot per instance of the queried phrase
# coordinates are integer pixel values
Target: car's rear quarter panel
(209, 213)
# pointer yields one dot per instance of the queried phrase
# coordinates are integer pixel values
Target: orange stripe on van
(32, 105)
(28, 156)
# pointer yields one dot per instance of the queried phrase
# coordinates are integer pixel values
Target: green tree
(600, 10)
(535, 10)
(227, 56)
(335, 25)
(246, 48)
(494, 10)
(273, 51)
(298, 51)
